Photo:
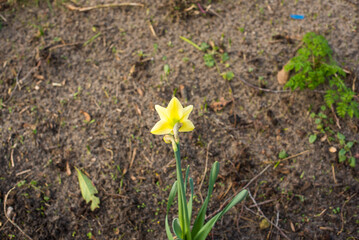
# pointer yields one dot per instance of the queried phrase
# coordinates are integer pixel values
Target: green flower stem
(182, 203)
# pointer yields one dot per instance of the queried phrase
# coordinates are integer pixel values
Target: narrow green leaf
(190, 42)
(177, 228)
(190, 201)
(205, 230)
(168, 230)
(276, 164)
(91, 39)
(88, 190)
(186, 178)
(172, 195)
(198, 223)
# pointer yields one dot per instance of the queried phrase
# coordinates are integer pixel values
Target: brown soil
(59, 67)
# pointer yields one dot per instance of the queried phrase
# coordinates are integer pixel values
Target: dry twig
(205, 171)
(3, 18)
(263, 89)
(342, 214)
(262, 215)
(152, 29)
(336, 118)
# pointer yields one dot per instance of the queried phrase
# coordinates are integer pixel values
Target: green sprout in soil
(174, 119)
(314, 66)
(212, 55)
(345, 153)
(322, 123)
(283, 154)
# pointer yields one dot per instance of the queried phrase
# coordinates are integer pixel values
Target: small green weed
(282, 154)
(213, 55)
(315, 66)
(322, 125)
(345, 153)
(321, 121)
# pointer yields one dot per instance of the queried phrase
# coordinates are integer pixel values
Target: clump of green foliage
(314, 65)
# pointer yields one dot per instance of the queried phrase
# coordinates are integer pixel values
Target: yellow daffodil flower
(170, 116)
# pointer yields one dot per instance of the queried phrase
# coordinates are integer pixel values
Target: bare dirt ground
(79, 89)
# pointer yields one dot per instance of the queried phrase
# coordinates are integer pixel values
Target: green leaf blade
(88, 190)
(198, 223)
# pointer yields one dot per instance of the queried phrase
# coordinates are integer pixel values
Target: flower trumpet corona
(174, 119)
(170, 116)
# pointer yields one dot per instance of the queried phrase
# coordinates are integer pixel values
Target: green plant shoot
(174, 119)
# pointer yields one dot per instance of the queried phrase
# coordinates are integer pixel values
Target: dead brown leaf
(140, 91)
(217, 106)
(292, 226)
(68, 169)
(40, 77)
(138, 110)
(183, 91)
(132, 70)
(87, 116)
(29, 126)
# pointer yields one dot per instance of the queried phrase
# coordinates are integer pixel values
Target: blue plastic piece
(296, 16)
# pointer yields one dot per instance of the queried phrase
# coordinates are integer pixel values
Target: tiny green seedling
(282, 154)
(322, 122)
(212, 55)
(345, 152)
(228, 75)
(166, 69)
(322, 125)
(314, 66)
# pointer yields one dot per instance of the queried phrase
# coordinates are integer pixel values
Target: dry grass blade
(85, 9)
(205, 171)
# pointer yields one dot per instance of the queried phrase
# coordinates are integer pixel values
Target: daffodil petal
(187, 126)
(162, 112)
(162, 127)
(186, 112)
(174, 110)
